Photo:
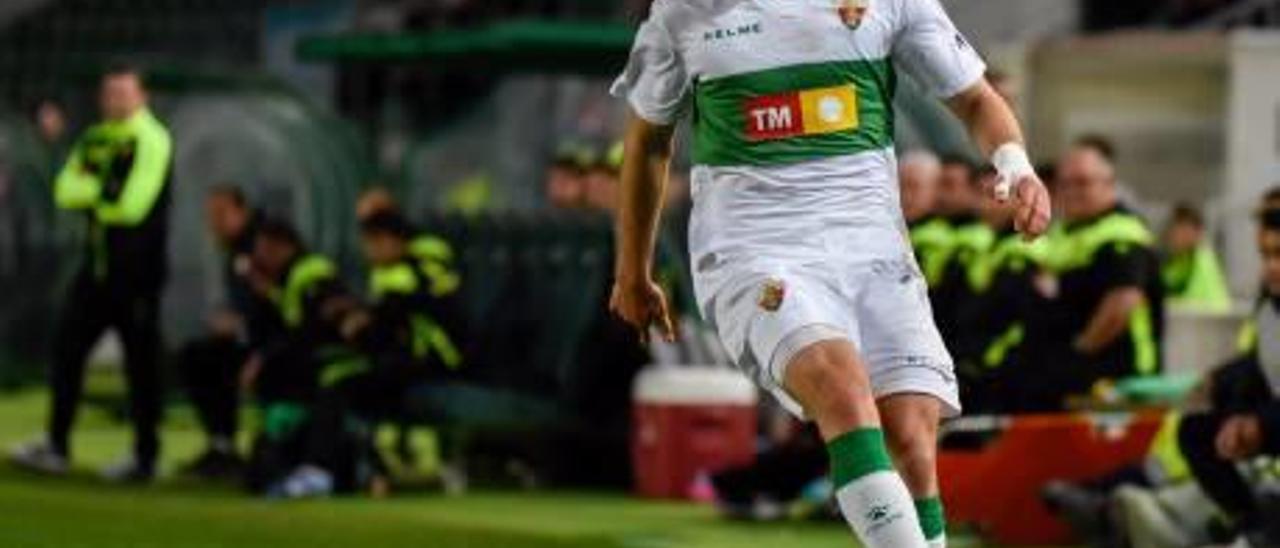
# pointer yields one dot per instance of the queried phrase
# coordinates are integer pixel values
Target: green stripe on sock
(856, 454)
(933, 521)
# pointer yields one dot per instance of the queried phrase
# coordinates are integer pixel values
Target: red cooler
(689, 421)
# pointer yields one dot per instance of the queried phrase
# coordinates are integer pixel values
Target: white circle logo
(830, 109)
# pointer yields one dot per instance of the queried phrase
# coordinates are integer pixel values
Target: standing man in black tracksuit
(118, 176)
(211, 365)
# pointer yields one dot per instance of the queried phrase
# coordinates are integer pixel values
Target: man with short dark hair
(564, 184)
(1192, 273)
(1249, 426)
(1107, 319)
(959, 201)
(996, 316)
(919, 175)
(118, 176)
(211, 365)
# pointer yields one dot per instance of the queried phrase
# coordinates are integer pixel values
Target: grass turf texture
(81, 511)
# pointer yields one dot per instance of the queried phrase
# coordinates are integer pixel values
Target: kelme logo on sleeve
(809, 112)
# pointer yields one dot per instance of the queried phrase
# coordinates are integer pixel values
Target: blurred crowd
(1053, 325)
(322, 360)
(1033, 324)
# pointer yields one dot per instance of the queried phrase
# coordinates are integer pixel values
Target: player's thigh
(904, 352)
(767, 318)
(829, 381)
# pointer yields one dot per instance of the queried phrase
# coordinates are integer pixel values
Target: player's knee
(911, 433)
(827, 380)
(912, 444)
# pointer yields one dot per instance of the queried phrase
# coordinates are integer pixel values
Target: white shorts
(766, 315)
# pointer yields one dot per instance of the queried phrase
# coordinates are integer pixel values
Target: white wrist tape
(1012, 164)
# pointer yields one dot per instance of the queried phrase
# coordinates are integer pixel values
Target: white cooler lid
(693, 385)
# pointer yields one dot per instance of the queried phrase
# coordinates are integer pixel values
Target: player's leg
(911, 429)
(828, 380)
(912, 376)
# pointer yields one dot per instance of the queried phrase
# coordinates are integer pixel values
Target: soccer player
(799, 250)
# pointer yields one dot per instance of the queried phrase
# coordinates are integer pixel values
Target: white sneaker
(127, 470)
(454, 479)
(1242, 542)
(39, 456)
(1148, 523)
(305, 482)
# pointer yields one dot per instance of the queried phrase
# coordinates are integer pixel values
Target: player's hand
(1031, 204)
(1240, 437)
(642, 304)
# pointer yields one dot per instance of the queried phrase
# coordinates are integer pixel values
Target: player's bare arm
(995, 130)
(636, 298)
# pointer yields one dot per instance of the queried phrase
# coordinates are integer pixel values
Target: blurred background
(490, 125)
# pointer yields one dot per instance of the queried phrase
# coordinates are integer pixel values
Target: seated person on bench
(1214, 442)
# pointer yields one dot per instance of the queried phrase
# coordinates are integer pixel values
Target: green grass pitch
(80, 511)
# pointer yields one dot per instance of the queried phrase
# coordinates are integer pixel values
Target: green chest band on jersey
(793, 114)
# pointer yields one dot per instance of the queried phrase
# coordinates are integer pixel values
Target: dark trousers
(210, 372)
(92, 308)
(780, 473)
(1218, 477)
(373, 396)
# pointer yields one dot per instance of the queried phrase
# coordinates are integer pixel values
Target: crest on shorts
(852, 12)
(772, 293)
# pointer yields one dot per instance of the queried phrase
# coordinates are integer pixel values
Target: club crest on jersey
(772, 293)
(852, 12)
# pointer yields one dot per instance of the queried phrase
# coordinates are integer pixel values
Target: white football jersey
(791, 103)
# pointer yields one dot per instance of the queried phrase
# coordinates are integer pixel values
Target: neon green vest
(1195, 279)
(973, 241)
(303, 276)
(1074, 248)
(933, 242)
(428, 336)
(1010, 253)
(436, 257)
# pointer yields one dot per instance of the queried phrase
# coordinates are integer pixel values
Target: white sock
(881, 511)
(939, 541)
(222, 444)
